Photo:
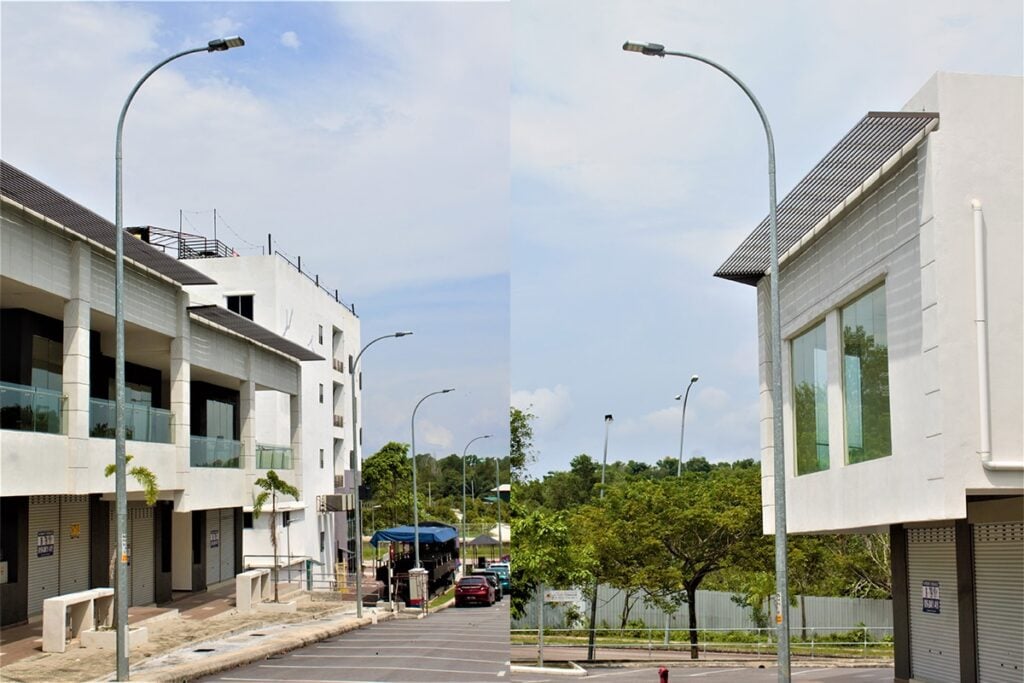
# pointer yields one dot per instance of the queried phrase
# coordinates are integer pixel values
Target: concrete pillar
(247, 420)
(295, 405)
(180, 379)
(77, 317)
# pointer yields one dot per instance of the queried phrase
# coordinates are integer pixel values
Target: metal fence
(716, 611)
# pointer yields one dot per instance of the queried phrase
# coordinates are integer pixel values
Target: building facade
(903, 328)
(194, 375)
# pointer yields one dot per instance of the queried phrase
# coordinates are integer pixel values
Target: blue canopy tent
(406, 534)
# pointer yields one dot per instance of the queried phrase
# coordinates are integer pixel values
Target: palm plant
(272, 485)
(150, 489)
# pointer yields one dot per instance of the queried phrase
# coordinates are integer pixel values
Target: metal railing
(142, 422)
(339, 365)
(844, 641)
(339, 420)
(31, 409)
(339, 481)
(206, 451)
(273, 457)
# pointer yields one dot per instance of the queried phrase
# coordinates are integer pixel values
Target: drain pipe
(981, 329)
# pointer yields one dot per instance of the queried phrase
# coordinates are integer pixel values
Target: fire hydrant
(662, 675)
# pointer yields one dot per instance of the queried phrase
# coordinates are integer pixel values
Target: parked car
(504, 573)
(494, 580)
(473, 589)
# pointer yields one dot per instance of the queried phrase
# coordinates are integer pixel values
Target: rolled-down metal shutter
(999, 597)
(74, 544)
(213, 546)
(43, 550)
(112, 550)
(934, 637)
(142, 568)
(227, 544)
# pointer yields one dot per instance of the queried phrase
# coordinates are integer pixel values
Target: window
(47, 363)
(321, 458)
(286, 518)
(246, 520)
(866, 378)
(323, 537)
(321, 393)
(241, 304)
(320, 334)
(220, 419)
(810, 400)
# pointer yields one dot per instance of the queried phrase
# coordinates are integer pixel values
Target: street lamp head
(401, 334)
(608, 418)
(221, 44)
(679, 397)
(694, 379)
(445, 391)
(645, 48)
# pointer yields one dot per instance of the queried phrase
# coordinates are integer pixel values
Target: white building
(193, 378)
(901, 308)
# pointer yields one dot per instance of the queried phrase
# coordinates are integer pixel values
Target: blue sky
(371, 139)
(634, 178)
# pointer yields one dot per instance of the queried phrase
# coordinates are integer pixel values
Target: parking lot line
(381, 668)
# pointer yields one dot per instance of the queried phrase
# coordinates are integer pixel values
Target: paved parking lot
(454, 645)
(718, 674)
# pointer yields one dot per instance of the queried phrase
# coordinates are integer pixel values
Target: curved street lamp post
(120, 483)
(592, 645)
(354, 464)
(415, 496)
(779, 461)
(464, 450)
(682, 426)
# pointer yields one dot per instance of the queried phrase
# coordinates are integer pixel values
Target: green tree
(272, 485)
(388, 474)
(521, 441)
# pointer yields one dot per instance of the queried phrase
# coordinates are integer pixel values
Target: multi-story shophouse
(194, 375)
(902, 320)
(277, 294)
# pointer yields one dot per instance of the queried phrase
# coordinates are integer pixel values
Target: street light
(779, 460)
(120, 484)
(354, 463)
(415, 496)
(591, 647)
(682, 427)
(464, 450)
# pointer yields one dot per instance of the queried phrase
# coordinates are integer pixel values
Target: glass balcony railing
(273, 457)
(141, 422)
(208, 451)
(31, 409)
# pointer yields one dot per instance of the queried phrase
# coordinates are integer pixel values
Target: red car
(471, 589)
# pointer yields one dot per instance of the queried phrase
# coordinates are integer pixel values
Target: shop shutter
(74, 544)
(998, 586)
(227, 544)
(142, 567)
(43, 550)
(112, 550)
(934, 637)
(213, 546)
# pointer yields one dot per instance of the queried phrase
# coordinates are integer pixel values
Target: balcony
(339, 420)
(31, 409)
(141, 422)
(273, 457)
(208, 451)
(339, 365)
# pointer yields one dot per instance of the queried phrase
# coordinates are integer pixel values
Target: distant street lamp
(464, 450)
(779, 459)
(354, 464)
(591, 647)
(682, 427)
(120, 482)
(415, 495)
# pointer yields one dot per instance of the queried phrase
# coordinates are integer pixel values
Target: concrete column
(77, 317)
(247, 419)
(180, 379)
(295, 404)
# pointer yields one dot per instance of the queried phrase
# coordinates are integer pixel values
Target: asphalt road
(718, 675)
(451, 646)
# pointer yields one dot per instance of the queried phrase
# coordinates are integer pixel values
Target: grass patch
(442, 598)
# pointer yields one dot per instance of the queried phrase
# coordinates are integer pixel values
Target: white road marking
(379, 668)
(711, 673)
(808, 671)
(393, 656)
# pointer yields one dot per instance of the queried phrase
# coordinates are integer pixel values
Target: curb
(294, 639)
(576, 670)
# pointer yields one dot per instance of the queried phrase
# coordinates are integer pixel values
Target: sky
(635, 177)
(545, 211)
(371, 140)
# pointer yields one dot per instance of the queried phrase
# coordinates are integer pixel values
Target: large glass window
(866, 378)
(47, 364)
(220, 419)
(810, 400)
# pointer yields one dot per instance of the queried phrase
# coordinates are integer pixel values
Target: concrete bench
(251, 588)
(86, 609)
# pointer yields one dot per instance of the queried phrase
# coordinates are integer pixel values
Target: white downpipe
(981, 329)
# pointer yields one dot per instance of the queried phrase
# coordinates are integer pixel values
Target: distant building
(902, 323)
(194, 376)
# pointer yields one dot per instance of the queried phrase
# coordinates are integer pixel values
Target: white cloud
(552, 407)
(436, 435)
(290, 39)
(660, 421)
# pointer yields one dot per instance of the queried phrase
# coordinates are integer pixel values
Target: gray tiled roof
(861, 152)
(41, 198)
(247, 328)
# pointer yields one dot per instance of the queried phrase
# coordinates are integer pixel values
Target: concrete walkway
(176, 630)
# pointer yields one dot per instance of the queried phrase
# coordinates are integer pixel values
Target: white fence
(717, 611)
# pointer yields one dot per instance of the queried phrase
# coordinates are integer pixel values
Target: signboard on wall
(44, 543)
(214, 538)
(930, 601)
(76, 530)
